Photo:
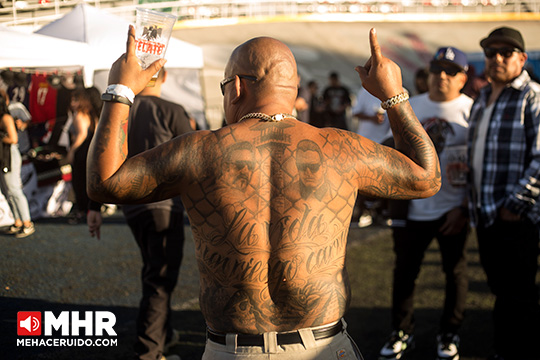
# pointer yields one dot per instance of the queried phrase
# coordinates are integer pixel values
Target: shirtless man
(272, 265)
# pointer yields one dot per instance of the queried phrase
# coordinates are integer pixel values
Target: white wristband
(121, 90)
(394, 100)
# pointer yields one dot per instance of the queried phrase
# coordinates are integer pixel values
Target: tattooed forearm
(412, 140)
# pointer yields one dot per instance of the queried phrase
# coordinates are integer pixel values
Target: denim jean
(12, 187)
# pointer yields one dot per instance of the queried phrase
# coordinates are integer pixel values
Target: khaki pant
(339, 347)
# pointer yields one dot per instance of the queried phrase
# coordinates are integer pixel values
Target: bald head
(271, 62)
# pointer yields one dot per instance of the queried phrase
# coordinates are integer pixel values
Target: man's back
(269, 200)
(270, 222)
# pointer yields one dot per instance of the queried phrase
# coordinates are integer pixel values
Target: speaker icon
(29, 323)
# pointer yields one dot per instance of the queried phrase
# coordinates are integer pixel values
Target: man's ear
(238, 90)
(524, 58)
(164, 75)
(464, 81)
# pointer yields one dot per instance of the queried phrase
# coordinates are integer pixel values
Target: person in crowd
(311, 103)
(10, 174)
(475, 82)
(421, 83)
(301, 106)
(371, 117)
(86, 106)
(337, 100)
(157, 227)
(316, 105)
(504, 159)
(444, 112)
(372, 125)
(22, 118)
(265, 195)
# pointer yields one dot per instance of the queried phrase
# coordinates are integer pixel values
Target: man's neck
(151, 91)
(496, 90)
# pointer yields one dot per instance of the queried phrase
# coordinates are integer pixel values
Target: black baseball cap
(506, 35)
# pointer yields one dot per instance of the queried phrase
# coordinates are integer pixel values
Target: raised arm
(110, 178)
(417, 162)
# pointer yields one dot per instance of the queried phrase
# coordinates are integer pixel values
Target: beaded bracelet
(394, 100)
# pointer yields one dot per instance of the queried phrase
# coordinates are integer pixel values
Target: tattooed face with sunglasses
(239, 164)
(310, 165)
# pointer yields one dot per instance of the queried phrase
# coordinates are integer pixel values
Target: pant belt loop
(270, 342)
(308, 339)
(231, 343)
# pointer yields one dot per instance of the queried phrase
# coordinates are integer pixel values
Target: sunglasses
(225, 81)
(448, 70)
(312, 167)
(241, 164)
(505, 52)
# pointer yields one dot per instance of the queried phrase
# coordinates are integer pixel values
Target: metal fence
(43, 11)
(40, 12)
(224, 9)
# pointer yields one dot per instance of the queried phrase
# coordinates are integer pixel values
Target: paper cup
(153, 30)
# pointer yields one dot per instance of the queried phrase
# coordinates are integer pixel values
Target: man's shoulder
(463, 100)
(535, 87)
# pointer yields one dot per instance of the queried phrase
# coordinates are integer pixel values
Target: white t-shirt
(477, 152)
(456, 114)
(370, 105)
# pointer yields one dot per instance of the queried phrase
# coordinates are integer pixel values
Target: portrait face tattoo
(239, 165)
(309, 163)
(309, 166)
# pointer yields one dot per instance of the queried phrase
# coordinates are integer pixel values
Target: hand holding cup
(127, 70)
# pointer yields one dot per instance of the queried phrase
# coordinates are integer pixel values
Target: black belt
(282, 338)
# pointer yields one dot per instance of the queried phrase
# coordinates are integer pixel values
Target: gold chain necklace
(272, 118)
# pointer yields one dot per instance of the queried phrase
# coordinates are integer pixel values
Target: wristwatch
(116, 98)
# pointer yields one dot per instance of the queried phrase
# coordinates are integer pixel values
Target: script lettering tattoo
(325, 256)
(298, 229)
(283, 293)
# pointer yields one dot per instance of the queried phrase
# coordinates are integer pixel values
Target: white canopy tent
(24, 50)
(105, 34)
